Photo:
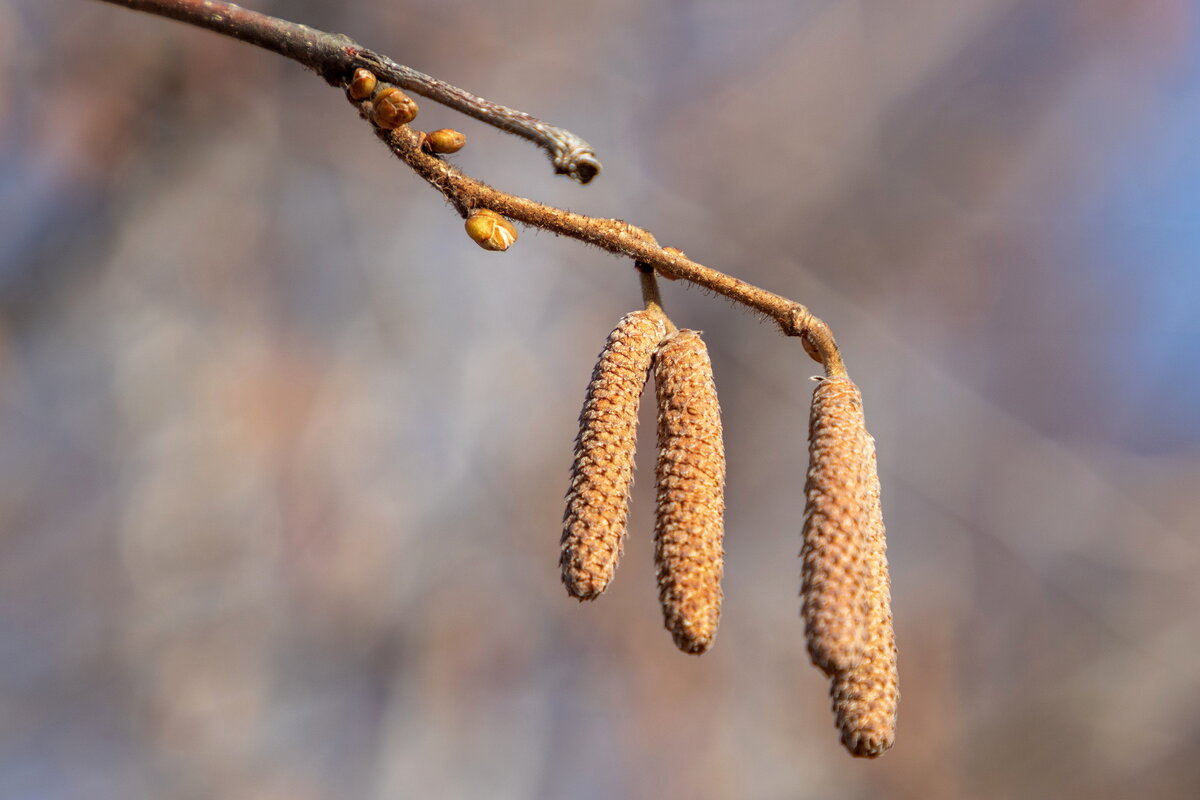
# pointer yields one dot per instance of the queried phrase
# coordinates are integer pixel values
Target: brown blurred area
(282, 452)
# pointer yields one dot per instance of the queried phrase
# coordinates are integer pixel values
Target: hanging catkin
(865, 698)
(602, 473)
(836, 521)
(690, 478)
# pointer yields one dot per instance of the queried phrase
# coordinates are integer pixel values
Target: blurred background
(282, 452)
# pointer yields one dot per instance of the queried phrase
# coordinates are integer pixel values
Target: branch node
(816, 337)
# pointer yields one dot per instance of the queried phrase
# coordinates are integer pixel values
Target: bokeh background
(282, 452)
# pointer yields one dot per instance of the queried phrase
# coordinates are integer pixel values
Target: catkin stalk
(836, 522)
(690, 476)
(602, 472)
(866, 697)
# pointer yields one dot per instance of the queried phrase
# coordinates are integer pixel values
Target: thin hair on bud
(690, 478)
(602, 472)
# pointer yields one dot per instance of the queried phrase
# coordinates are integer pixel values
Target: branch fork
(845, 585)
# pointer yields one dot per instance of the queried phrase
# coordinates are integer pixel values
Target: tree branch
(335, 57)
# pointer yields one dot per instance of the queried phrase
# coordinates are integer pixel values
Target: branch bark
(335, 57)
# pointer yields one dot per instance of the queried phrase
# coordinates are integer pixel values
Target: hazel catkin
(690, 488)
(602, 472)
(846, 589)
(836, 519)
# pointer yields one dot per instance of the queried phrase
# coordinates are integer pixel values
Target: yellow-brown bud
(362, 84)
(690, 487)
(489, 230)
(393, 108)
(444, 140)
(602, 472)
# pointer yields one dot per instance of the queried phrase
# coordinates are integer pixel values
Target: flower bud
(490, 230)
(362, 84)
(444, 140)
(393, 108)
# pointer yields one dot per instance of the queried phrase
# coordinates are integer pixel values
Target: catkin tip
(690, 486)
(866, 699)
(602, 470)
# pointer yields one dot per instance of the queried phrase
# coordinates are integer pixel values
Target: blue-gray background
(282, 452)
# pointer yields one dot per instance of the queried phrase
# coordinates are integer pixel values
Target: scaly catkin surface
(836, 521)
(690, 476)
(602, 473)
(866, 697)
